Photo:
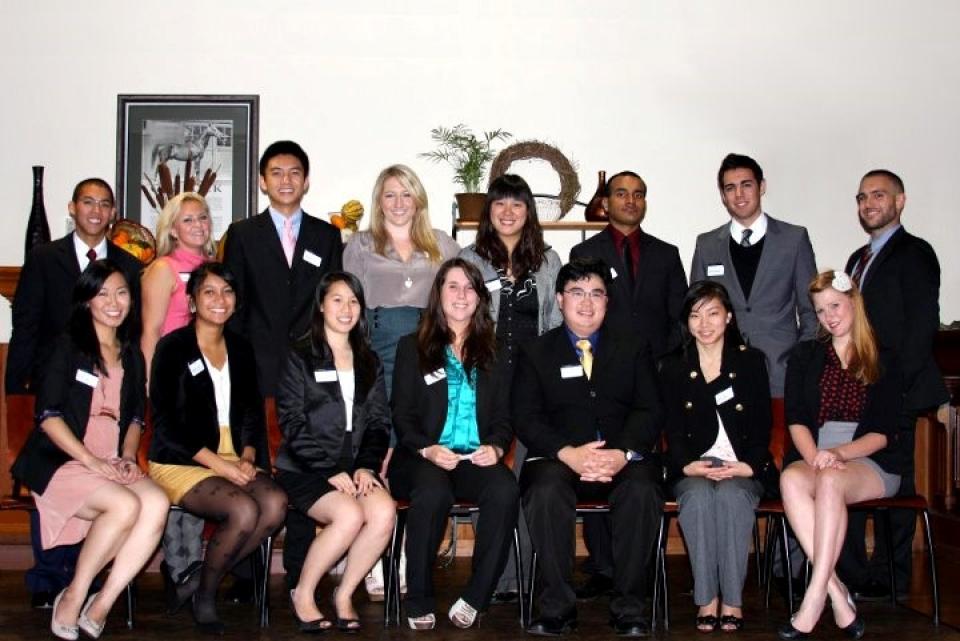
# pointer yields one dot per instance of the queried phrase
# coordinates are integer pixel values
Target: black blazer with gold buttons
(691, 405)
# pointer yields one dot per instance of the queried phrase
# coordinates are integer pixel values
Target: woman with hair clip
(519, 271)
(184, 243)
(451, 412)
(717, 404)
(395, 260)
(209, 447)
(80, 461)
(843, 398)
(332, 408)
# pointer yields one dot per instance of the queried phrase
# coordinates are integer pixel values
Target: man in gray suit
(766, 266)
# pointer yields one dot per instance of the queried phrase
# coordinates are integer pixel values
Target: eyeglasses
(577, 294)
(93, 202)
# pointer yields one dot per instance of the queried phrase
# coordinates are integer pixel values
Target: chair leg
(888, 539)
(391, 573)
(263, 587)
(665, 585)
(932, 556)
(767, 561)
(787, 564)
(131, 603)
(532, 590)
(756, 551)
(518, 563)
(657, 568)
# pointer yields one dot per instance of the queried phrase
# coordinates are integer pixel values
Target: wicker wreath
(528, 149)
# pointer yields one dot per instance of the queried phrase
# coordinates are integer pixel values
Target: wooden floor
(18, 621)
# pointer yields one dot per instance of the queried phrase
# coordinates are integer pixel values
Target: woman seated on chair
(450, 410)
(81, 460)
(332, 408)
(209, 446)
(717, 402)
(843, 400)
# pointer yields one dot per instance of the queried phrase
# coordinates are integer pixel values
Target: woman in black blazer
(451, 413)
(717, 402)
(81, 459)
(843, 399)
(209, 447)
(332, 407)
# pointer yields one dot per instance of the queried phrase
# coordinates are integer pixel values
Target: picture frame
(218, 133)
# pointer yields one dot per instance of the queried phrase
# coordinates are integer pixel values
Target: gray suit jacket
(779, 312)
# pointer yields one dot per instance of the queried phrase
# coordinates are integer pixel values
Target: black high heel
(789, 633)
(310, 627)
(858, 626)
(212, 627)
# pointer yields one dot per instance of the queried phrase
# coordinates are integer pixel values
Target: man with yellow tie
(585, 404)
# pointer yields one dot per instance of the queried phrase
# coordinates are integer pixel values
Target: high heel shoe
(90, 627)
(858, 626)
(310, 627)
(211, 626)
(349, 626)
(789, 633)
(65, 632)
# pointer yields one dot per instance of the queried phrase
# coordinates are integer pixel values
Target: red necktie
(91, 255)
(861, 265)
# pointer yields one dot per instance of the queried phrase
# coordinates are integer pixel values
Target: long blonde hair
(864, 359)
(421, 233)
(166, 243)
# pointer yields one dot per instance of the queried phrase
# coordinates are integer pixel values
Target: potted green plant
(469, 157)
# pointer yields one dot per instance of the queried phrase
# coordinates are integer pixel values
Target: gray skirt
(835, 433)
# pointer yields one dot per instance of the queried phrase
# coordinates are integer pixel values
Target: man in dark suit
(899, 277)
(646, 294)
(586, 406)
(40, 311)
(278, 257)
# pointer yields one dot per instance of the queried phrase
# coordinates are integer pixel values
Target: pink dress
(182, 263)
(73, 482)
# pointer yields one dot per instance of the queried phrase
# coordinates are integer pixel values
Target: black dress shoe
(42, 600)
(630, 627)
(552, 626)
(504, 597)
(856, 629)
(788, 633)
(598, 585)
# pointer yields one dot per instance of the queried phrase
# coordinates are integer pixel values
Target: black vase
(38, 231)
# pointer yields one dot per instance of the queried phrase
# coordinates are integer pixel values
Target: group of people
(405, 367)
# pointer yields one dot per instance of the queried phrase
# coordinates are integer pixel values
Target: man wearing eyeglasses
(40, 311)
(585, 404)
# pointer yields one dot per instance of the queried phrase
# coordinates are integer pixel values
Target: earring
(193, 308)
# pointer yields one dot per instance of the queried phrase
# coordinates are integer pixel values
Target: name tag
(714, 270)
(435, 376)
(493, 285)
(311, 258)
(724, 396)
(196, 367)
(325, 375)
(87, 378)
(184, 276)
(571, 371)
(613, 273)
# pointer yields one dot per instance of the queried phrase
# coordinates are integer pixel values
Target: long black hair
(698, 293)
(527, 256)
(365, 360)
(433, 333)
(80, 325)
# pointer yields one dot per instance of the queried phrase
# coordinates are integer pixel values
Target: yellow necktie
(587, 356)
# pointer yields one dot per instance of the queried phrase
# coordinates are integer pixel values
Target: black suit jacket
(691, 407)
(313, 417)
(652, 309)
(184, 405)
(619, 403)
(901, 291)
(276, 300)
(420, 410)
(59, 393)
(41, 306)
(881, 413)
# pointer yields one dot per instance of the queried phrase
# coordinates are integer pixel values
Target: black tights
(245, 516)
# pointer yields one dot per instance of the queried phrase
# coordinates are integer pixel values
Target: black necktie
(91, 255)
(745, 241)
(628, 263)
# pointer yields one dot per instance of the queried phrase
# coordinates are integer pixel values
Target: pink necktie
(288, 240)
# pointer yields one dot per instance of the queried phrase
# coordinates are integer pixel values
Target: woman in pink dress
(183, 243)
(81, 460)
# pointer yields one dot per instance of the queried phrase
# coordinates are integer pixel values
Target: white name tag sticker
(311, 258)
(435, 376)
(184, 276)
(196, 367)
(724, 396)
(571, 371)
(613, 273)
(714, 270)
(87, 378)
(493, 285)
(325, 376)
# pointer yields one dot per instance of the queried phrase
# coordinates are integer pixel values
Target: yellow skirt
(177, 480)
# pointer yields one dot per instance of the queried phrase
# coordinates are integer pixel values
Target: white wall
(818, 92)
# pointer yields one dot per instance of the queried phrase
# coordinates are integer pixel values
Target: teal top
(460, 432)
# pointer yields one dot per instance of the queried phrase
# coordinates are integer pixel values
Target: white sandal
(462, 614)
(426, 622)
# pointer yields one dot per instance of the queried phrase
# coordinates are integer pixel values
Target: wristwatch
(631, 455)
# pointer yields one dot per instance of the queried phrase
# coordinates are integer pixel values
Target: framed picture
(167, 144)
